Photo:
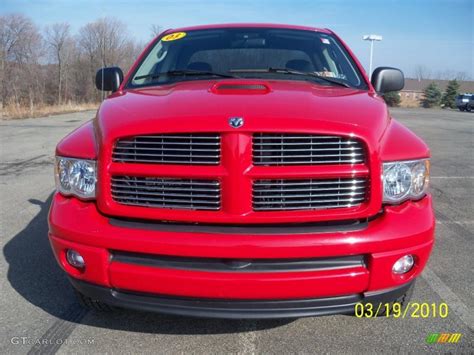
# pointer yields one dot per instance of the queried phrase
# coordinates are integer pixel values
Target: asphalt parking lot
(39, 312)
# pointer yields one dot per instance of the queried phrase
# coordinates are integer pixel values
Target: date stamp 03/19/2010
(421, 310)
(398, 310)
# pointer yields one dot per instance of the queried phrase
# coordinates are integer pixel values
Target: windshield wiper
(184, 73)
(292, 72)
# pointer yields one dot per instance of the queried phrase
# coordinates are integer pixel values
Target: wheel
(468, 108)
(93, 304)
(462, 109)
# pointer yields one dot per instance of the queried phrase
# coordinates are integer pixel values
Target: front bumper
(237, 309)
(400, 230)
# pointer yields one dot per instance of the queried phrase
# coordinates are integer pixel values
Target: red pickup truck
(243, 171)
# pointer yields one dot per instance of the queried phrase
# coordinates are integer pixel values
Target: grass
(16, 112)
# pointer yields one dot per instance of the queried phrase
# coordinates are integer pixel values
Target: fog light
(403, 265)
(75, 259)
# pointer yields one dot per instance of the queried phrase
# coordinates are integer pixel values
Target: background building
(412, 93)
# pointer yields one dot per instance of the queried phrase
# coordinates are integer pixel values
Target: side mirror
(385, 79)
(108, 79)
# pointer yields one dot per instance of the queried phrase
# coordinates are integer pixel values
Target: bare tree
(58, 66)
(445, 74)
(20, 51)
(155, 30)
(452, 74)
(105, 42)
(462, 76)
(58, 39)
(422, 72)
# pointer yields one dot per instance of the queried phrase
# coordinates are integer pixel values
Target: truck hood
(265, 106)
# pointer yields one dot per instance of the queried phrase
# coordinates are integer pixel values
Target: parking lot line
(446, 294)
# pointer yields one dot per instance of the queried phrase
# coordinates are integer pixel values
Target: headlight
(76, 177)
(403, 180)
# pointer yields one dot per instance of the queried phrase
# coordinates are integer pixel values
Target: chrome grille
(188, 149)
(189, 194)
(302, 149)
(309, 194)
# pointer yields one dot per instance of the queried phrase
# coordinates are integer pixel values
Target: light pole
(372, 39)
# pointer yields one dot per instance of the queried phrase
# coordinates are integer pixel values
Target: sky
(437, 34)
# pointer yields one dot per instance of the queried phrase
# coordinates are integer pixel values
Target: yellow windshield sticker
(173, 36)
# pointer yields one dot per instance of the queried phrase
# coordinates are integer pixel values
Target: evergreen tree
(392, 98)
(449, 97)
(432, 96)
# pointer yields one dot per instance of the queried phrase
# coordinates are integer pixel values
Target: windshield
(263, 53)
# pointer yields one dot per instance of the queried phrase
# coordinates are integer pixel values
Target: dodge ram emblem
(236, 122)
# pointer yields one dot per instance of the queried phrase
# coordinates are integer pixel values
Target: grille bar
(185, 149)
(312, 182)
(162, 192)
(300, 149)
(348, 149)
(322, 189)
(167, 143)
(309, 194)
(169, 188)
(179, 182)
(313, 143)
